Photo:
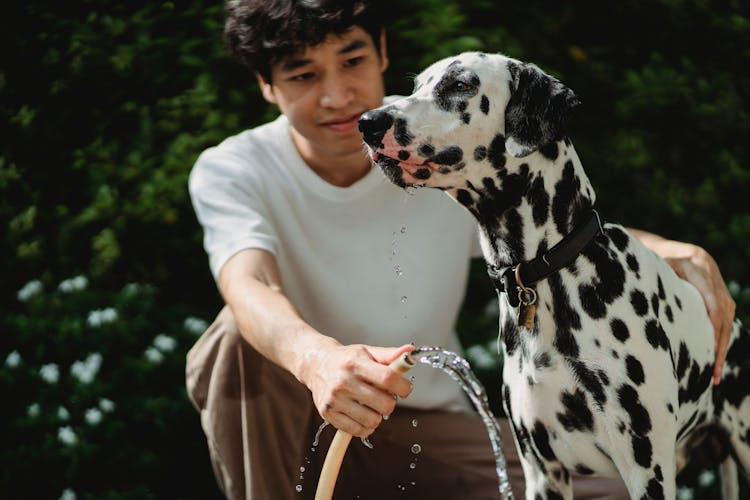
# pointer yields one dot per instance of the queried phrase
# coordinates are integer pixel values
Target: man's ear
(266, 89)
(537, 110)
(383, 52)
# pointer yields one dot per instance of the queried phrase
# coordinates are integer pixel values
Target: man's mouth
(342, 124)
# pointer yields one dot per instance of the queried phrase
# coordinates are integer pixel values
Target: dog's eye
(459, 86)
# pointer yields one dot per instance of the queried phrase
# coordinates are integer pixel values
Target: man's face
(324, 90)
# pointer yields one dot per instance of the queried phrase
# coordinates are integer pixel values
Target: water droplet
(398, 269)
(403, 229)
(367, 442)
(413, 483)
(302, 469)
(386, 417)
(412, 379)
(415, 448)
(412, 466)
(298, 488)
(317, 434)
(403, 299)
(414, 422)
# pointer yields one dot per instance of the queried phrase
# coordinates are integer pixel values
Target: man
(320, 262)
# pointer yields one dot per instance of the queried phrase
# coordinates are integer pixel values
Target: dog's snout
(373, 125)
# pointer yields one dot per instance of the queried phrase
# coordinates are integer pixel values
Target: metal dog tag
(526, 308)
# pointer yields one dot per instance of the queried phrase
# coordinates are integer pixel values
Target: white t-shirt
(367, 264)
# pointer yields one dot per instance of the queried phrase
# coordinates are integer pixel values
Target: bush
(105, 107)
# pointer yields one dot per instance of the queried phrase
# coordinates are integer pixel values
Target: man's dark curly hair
(262, 32)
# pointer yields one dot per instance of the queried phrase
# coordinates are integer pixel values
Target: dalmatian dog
(608, 353)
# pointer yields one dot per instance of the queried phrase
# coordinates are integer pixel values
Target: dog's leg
(545, 477)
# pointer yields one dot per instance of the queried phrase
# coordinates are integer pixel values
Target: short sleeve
(228, 200)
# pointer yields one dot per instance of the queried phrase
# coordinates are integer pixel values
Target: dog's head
(473, 109)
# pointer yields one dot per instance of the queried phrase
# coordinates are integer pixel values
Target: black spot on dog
(654, 490)
(678, 302)
(553, 495)
(464, 198)
(639, 302)
(670, 408)
(656, 335)
(668, 313)
(635, 370)
(542, 360)
(466, 118)
(619, 329)
(590, 382)
(632, 263)
(592, 302)
(660, 286)
(426, 150)
(401, 132)
(480, 153)
(484, 105)
(583, 470)
(642, 451)
(510, 337)
(655, 304)
(538, 198)
(541, 440)
(448, 156)
(603, 377)
(657, 473)
(566, 318)
(403, 155)
(550, 151)
(609, 279)
(697, 382)
(640, 421)
(577, 414)
(422, 174)
(618, 237)
(496, 152)
(683, 361)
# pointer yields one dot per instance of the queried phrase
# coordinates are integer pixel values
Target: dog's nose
(373, 125)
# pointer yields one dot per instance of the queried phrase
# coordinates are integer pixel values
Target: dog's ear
(536, 112)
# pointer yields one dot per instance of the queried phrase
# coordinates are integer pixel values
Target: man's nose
(373, 125)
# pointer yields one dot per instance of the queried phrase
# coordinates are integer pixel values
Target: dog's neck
(532, 203)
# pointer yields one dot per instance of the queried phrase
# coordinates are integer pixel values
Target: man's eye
(302, 77)
(354, 61)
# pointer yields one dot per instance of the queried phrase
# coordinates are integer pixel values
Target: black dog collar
(541, 267)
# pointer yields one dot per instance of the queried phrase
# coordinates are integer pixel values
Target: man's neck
(340, 170)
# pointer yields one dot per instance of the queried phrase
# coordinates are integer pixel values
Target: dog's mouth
(403, 173)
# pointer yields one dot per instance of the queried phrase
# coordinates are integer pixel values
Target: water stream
(460, 371)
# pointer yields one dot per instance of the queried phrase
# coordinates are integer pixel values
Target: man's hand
(353, 387)
(693, 264)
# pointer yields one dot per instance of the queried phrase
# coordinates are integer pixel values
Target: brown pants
(260, 424)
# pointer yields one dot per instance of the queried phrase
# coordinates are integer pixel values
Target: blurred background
(105, 286)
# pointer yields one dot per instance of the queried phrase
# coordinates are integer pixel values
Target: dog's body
(613, 374)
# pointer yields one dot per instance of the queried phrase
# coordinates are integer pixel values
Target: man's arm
(352, 386)
(692, 263)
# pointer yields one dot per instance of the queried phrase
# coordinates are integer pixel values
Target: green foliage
(104, 108)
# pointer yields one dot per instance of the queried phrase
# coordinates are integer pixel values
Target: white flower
(165, 343)
(93, 416)
(67, 436)
(481, 357)
(33, 410)
(50, 373)
(106, 405)
(63, 413)
(76, 284)
(684, 493)
(194, 325)
(706, 478)
(154, 355)
(13, 359)
(85, 371)
(99, 317)
(68, 494)
(131, 289)
(30, 289)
